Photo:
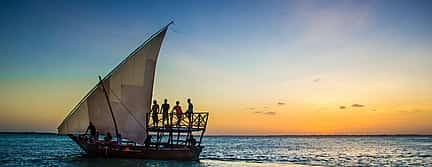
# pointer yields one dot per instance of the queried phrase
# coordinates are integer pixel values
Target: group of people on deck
(164, 109)
(155, 110)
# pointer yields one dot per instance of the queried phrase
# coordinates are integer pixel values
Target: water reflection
(51, 150)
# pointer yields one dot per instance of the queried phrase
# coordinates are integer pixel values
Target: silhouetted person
(190, 107)
(147, 141)
(165, 108)
(192, 141)
(179, 112)
(155, 110)
(189, 111)
(107, 142)
(92, 129)
(119, 139)
(108, 138)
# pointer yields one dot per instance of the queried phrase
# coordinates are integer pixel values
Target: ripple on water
(52, 150)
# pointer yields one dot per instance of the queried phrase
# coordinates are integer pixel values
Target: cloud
(251, 108)
(317, 80)
(281, 103)
(413, 111)
(270, 113)
(357, 105)
(342, 107)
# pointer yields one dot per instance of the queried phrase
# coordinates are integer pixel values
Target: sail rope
(127, 109)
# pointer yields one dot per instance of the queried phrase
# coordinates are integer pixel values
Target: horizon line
(248, 135)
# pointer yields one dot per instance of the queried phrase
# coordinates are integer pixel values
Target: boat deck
(184, 129)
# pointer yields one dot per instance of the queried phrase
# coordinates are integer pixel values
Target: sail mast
(110, 108)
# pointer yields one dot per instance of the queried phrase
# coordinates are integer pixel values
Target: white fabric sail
(129, 87)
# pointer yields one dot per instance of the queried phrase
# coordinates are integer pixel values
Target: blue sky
(43, 35)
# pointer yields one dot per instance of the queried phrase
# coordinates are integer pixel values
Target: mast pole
(110, 108)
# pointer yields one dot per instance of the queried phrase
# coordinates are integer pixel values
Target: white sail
(129, 87)
(75, 122)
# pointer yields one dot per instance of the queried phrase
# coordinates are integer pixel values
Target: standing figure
(92, 129)
(179, 112)
(189, 111)
(165, 108)
(155, 110)
(190, 107)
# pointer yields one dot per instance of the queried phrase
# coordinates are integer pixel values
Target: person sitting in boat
(165, 108)
(119, 139)
(147, 141)
(108, 138)
(179, 112)
(192, 141)
(155, 110)
(92, 129)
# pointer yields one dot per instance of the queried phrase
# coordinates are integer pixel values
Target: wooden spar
(147, 122)
(170, 138)
(110, 108)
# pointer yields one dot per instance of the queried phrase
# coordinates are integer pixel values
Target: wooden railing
(197, 120)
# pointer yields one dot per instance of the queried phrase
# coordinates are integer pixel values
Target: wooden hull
(140, 152)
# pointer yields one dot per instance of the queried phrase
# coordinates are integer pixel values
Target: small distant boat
(121, 103)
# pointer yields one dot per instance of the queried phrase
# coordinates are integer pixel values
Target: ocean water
(53, 150)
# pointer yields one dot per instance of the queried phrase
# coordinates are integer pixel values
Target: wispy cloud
(281, 103)
(413, 111)
(342, 107)
(317, 80)
(357, 105)
(270, 113)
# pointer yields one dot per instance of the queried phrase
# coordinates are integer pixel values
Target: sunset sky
(259, 67)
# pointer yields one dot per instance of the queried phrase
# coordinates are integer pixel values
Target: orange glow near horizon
(384, 114)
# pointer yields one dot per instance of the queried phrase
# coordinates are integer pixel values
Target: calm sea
(52, 150)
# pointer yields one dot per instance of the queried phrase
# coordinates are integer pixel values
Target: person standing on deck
(189, 111)
(92, 129)
(179, 112)
(165, 108)
(190, 107)
(155, 110)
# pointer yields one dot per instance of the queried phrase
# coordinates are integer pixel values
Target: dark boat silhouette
(120, 103)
